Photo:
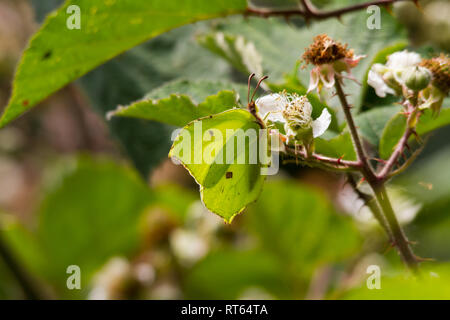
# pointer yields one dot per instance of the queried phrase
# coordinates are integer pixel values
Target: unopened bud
(417, 78)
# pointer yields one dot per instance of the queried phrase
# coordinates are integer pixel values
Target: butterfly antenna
(249, 82)
(257, 86)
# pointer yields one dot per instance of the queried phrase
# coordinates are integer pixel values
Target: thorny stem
(317, 164)
(335, 162)
(373, 206)
(362, 158)
(310, 12)
(408, 162)
(385, 172)
(396, 233)
(399, 237)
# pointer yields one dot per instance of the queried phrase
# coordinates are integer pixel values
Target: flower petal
(353, 62)
(271, 106)
(376, 81)
(313, 79)
(321, 124)
(327, 76)
(403, 59)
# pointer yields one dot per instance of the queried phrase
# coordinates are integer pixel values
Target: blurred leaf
(239, 52)
(432, 284)
(175, 199)
(92, 215)
(228, 274)
(300, 227)
(371, 123)
(197, 89)
(428, 181)
(396, 127)
(226, 188)
(22, 245)
(8, 287)
(25, 245)
(179, 109)
(336, 147)
(95, 211)
(62, 55)
(431, 230)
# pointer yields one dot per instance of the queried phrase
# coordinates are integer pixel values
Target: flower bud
(417, 78)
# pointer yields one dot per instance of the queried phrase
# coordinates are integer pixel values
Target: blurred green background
(76, 189)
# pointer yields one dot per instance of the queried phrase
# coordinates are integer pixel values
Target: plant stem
(403, 142)
(408, 162)
(21, 276)
(387, 214)
(365, 165)
(338, 162)
(373, 206)
(400, 240)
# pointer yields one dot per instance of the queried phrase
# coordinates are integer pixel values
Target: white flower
(375, 79)
(294, 112)
(403, 59)
(388, 78)
(321, 124)
(271, 107)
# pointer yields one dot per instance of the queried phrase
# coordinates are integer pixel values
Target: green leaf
(336, 147)
(371, 123)
(300, 226)
(24, 245)
(397, 125)
(225, 188)
(174, 199)
(432, 284)
(57, 55)
(239, 52)
(228, 274)
(428, 181)
(199, 89)
(179, 108)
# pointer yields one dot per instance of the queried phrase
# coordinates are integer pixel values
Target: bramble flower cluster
(389, 78)
(294, 112)
(329, 57)
(407, 74)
